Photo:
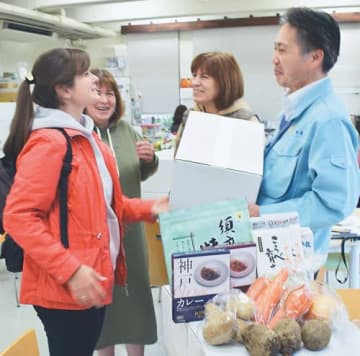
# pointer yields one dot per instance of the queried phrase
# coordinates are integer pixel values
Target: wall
(112, 11)
(346, 73)
(105, 47)
(158, 60)
(15, 54)
(186, 54)
(154, 69)
(253, 48)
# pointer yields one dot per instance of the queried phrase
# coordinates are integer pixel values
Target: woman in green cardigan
(130, 319)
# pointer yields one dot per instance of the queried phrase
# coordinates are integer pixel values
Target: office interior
(148, 46)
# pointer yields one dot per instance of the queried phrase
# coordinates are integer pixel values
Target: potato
(323, 307)
(240, 326)
(289, 335)
(219, 328)
(212, 308)
(316, 334)
(242, 306)
(260, 340)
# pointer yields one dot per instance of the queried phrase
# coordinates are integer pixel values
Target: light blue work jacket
(312, 168)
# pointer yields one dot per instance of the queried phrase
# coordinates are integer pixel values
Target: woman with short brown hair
(218, 88)
(225, 71)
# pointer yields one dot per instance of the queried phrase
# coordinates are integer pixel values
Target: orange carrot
(257, 288)
(271, 297)
(296, 304)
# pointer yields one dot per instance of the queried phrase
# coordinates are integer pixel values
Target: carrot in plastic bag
(271, 297)
(257, 288)
(295, 305)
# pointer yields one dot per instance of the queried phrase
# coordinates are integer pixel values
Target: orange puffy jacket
(31, 217)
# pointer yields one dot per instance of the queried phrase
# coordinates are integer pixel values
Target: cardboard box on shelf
(218, 158)
(8, 91)
(156, 261)
(8, 97)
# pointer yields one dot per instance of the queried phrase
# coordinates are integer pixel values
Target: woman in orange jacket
(67, 286)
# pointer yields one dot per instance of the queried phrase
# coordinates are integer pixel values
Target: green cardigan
(131, 319)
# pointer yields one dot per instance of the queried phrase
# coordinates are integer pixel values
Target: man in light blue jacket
(310, 165)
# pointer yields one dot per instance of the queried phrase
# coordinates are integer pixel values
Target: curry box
(198, 277)
(242, 265)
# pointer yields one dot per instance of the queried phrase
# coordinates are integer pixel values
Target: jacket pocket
(279, 170)
(339, 161)
(55, 292)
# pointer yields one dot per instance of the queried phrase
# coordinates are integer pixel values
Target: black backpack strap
(63, 190)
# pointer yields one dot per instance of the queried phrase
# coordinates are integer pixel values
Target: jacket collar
(49, 118)
(297, 102)
(238, 104)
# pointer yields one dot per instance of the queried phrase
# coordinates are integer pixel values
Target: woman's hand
(145, 151)
(160, 205)
(254, 210)
(85, 287)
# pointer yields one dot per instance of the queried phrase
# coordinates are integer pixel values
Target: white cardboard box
(159, 184)
(218, 158)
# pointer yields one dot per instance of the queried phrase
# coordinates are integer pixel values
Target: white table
(351, 223)
(354, 281)
(186, 338)
(174, 335)
(345, 341)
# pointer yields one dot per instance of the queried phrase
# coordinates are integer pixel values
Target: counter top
(344, 341)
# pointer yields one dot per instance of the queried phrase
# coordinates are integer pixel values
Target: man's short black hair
(316, 30)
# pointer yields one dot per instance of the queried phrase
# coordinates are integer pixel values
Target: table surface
(348, 229)
(351, 223)
(344, 341)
